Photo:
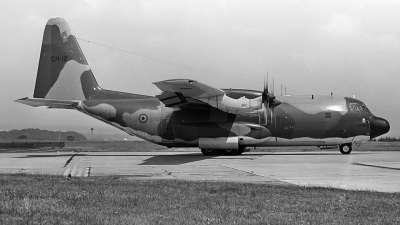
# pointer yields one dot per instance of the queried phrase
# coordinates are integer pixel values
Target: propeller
(269, 102)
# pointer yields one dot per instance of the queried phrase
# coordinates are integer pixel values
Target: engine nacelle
(241, 106)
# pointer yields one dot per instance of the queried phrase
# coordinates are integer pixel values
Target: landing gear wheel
(345, 148)
(229, 151)
(209, 152)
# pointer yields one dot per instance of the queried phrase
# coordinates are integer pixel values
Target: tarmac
(374, 171)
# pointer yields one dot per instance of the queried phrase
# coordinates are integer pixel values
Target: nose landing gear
(345, 148)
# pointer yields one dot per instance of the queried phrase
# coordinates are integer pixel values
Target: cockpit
(378, 125)
(357, 106)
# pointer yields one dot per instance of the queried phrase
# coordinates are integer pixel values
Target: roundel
(142, 118)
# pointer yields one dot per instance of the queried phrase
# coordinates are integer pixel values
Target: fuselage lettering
(59, 58)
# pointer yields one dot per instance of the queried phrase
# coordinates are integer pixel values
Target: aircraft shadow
(153, 160)
(175, 159)
(195, 157)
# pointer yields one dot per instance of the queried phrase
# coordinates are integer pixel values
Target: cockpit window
(357, 106)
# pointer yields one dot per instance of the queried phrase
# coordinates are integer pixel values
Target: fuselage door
(332, 126)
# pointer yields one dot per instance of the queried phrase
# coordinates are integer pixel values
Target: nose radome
(378, 126)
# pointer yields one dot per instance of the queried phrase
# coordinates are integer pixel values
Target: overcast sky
(310, 47)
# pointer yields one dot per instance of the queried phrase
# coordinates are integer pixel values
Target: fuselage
(298, 120)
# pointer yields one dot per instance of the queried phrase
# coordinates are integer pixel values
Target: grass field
(40, 199)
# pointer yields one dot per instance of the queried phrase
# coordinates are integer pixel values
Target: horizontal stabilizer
(51, 103)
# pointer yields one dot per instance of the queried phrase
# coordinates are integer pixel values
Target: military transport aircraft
(188, 113)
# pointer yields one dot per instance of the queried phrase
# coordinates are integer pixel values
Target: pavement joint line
(376, 166)
(73, 169)
(67, 171)
(77, 169)
(70, 159)
(169, 173)
(254, 174)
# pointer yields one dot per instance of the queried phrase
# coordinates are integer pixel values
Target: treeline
(387, 139)
(37, 134)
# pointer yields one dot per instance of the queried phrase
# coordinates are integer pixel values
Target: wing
(179, 92)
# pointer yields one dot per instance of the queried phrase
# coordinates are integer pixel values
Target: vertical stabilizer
(63, 72)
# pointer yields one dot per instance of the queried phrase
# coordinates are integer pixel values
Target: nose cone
(378, 126)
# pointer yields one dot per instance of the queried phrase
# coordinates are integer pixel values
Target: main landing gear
(345, 148)
(209, 152)
(213, 152)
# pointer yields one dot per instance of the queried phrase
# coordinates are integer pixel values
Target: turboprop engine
(246, 104)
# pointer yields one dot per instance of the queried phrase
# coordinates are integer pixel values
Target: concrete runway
(377, 171)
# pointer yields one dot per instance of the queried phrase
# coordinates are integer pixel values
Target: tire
(229, 151)
(345, 148)
(210, 152)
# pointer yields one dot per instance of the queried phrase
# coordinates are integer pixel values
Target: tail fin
(64, 77)
(63, 72)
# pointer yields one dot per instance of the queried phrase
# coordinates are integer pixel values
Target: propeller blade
(272, 113)
(276, 136)
(266, 109)
(269, 101)
(273, 87)
(265, 86)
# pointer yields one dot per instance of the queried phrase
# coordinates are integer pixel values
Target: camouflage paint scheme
(65, 80)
